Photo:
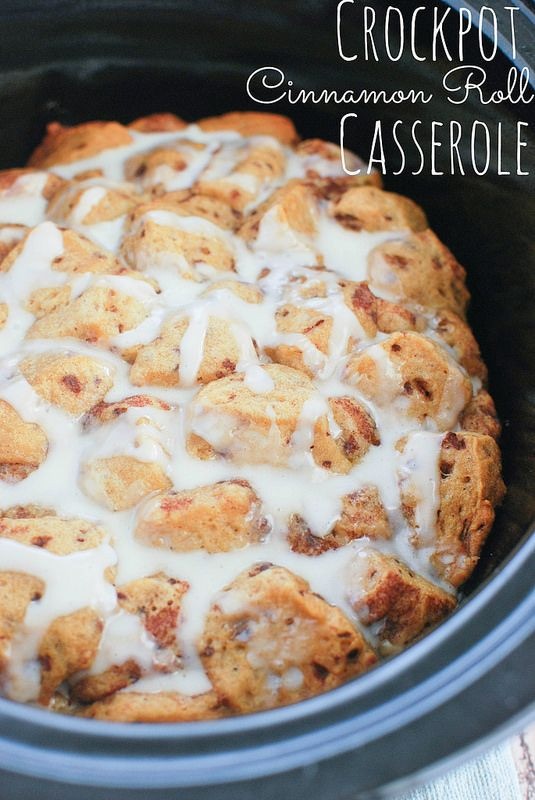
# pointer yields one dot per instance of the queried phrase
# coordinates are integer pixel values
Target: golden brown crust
(97, 314)
(120, 482)
(151, 242)
(151, 169)
(113, 204)
(46, 300)
(260, 167)
(161, 707)
(23, 445)
(331, 187)
(10, 236)
(296, 209)
(315, 325)
(96, 687)
(230, 399)
(17, 591)
(59, 536)
(278, 642)
(75, 383)
(79, 255)
(63, 145)
(69, 645)
(258, 428)
(253, 123)
(375, 313)
(247, 292)
(363, 515)
(367, 208)
(28, 511)
(210, 208)
(8, 177)
(480, 415)
(470, 488)
(217, 518)
(157, 601)
(158, 363)
(422, 379)
(453, 330)
(158, 122)
(70, 642)
(419, 268)
(188, 204)
(399, 603)
(103, 412)
(357, 434)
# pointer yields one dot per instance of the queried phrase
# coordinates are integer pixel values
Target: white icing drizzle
(23, 202)
(345, 251)
(257, 380)
(292, 248)
(192, 346)
(32, 270)
(123, 638)
(71, 582)
(420, 476)
(288, 482)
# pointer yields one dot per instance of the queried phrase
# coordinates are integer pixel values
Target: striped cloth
(492, 776)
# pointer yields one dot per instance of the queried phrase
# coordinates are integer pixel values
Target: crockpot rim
(167, 771)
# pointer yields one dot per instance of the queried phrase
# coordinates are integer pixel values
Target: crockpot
(471, 680)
